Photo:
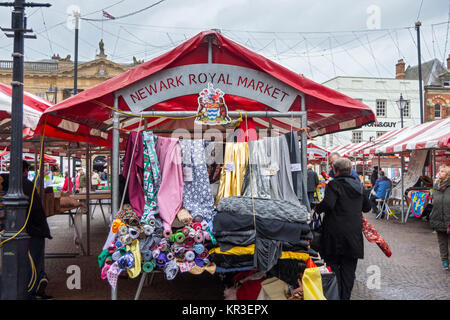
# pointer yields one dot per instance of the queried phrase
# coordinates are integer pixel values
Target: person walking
(83, 182)
(95, 180)
(341, 243)
(312, 182)
(380, 189)
(77, 182)
(67, 187)
(440, 214)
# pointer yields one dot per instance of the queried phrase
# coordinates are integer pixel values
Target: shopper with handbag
(440, 214)
(341, 243)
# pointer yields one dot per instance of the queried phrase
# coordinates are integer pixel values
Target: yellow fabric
(312, 284)
(199, 270)
(116, 225)
(136, 269)
(273, 289)
(238, 251)
(231, 182)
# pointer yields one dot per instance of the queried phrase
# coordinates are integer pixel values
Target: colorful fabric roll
(147, 255)
(118, 244)
(186, 266)
(198, 248)
(117, 223)
(161, 260)
(102, 257)
(179, 237)
(123, 230)
(126, 239)
(189, 242)
(189, 255)
(116, 255)
(149, 266)
(126, 261)
(156, 253)
(197, 226)
(134, 234)
(204, 224)
(206, 236)
(185, 217)
(148, 229)
(112, 274)
(170, 256)
(167, 233)
(171, 270)
(152, 222)
(199, 262)
(204, 254)
(199, 237)
(105, 269)
(185, 231)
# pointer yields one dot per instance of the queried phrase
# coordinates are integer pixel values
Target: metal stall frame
(115, 161)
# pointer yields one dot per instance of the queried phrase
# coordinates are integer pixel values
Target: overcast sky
(320, 39)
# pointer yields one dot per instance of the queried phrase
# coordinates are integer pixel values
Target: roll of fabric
(192, 233)
(185, 217)
(198, 248)
(167, 233)
(161, 260)
(126, 261)
(199, 237)
(170, 256)
(171, 270)
(204, 224)
(105, 269)
(134, 233)
(197, 226)
(117, 223)
(188, 242)
(116, 256)
(118, 244)
(189, 255)
(123, 230)
(126, 239)
(148, 229)
(135, 269)
(112, 274)
(185, 231)
(111, 249)
(149, 266)
(199, 261)
(109, 261)
(147, 255)
(206, 235)
(204, 254)
(156, 253)
(179, 237)
(152, 222)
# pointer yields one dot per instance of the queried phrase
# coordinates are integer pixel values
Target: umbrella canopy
(173, 81)
(33, 107)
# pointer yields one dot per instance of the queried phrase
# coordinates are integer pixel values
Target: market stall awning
(33, 107)
(429, 135)
(5, 156)
(250, 82)
(316, 152)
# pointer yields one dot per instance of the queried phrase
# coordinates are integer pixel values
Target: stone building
(57, 74)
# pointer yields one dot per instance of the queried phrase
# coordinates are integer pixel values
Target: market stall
(217, 96)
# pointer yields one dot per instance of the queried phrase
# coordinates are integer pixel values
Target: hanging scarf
(442, 184)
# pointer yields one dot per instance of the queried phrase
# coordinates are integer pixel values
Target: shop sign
(192, 79)
(382, 124)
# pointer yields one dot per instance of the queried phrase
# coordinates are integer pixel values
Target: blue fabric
(381, 187)
(224, 270)
(353, 174)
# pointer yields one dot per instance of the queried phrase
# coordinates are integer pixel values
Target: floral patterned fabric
(152, 177)
(197, 196)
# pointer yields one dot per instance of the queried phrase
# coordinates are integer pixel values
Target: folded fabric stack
(265, 234)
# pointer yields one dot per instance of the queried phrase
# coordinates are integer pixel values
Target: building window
(437, 111)
(406, 110)
(446, 82)
(331, 140)
(380, 133)
(381, 108)
(356, 136)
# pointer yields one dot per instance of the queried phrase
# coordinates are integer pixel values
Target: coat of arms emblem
(212, 108)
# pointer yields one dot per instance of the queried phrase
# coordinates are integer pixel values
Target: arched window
(437, 111)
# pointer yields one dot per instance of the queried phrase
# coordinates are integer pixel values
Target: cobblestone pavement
(412, 272)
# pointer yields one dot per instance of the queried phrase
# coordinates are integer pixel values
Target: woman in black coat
(342, 239)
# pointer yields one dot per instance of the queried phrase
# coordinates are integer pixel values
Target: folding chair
(383, 206)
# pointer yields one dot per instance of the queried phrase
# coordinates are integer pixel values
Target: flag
(107, 15)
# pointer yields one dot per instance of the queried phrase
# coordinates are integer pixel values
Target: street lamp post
(401, 103)
(52, 95)
(15, 241)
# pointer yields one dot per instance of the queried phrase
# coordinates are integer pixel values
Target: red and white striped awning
(33, 107)
(429, 135)
(316, 152)
(5, 156)
(87, 116)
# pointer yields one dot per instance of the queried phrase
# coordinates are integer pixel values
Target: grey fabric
(230, 241)
(295, 157)
(281, 182)
(258, 161)
(265, 208)
(267, 253)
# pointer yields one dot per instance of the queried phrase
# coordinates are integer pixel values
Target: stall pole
(404, 218)
(69, 155)
(88, 205)
(115, 173)
(304, 151)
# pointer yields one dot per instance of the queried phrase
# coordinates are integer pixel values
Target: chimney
(400, 69)
(448, 62)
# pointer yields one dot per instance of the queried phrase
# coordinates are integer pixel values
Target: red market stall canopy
(429, 135)
(33, 107)
(173, 81)
(5, 155)
(316, 152)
